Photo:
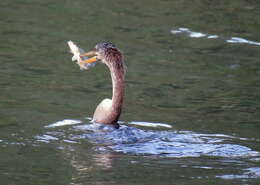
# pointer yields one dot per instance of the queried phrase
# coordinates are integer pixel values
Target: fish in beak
(84, 60)
(92, 54)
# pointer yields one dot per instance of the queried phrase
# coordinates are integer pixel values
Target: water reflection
(85, 159)
(217, 89)
(104, 160)
(92, 148)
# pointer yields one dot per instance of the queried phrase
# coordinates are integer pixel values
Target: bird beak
(92, 54)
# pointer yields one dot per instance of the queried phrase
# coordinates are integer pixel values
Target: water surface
(191, 65)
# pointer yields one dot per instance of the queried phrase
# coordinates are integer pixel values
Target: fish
(76, 51)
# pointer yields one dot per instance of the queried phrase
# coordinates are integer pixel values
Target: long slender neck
(117, 76)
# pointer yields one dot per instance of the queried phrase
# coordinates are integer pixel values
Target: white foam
(197, 34)
(191, 34)
(251, 173)
(63, 123)
(212, 36)
(149, 124)
(243, 41)
(46, 138)
(254, 171)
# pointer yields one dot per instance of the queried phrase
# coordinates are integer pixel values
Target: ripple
(194, 34)
(241, 40)
(149, 124)
(253, 172)
(46, 138)
(131, 140)
(63, 123)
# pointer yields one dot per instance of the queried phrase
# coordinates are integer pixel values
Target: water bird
(109, 110)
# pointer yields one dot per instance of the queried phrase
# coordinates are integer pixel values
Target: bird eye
(105, 45)
(110, 45)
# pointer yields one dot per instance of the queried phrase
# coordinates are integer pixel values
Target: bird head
(107, 53)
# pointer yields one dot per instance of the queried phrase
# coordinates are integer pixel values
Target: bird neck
(117, 77)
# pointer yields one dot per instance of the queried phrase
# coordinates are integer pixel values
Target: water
(131, 140)
(193, 67)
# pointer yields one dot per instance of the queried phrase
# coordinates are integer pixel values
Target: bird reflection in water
(88, 163)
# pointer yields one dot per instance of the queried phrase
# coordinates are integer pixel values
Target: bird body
(103, 111)
(109, 110)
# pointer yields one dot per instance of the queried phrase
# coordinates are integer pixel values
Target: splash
(131, 140)
(149, 124)
(63, 123)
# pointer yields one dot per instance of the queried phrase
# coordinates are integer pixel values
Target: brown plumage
(109, 110)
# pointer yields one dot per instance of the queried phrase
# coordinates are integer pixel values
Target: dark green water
(176, 76)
